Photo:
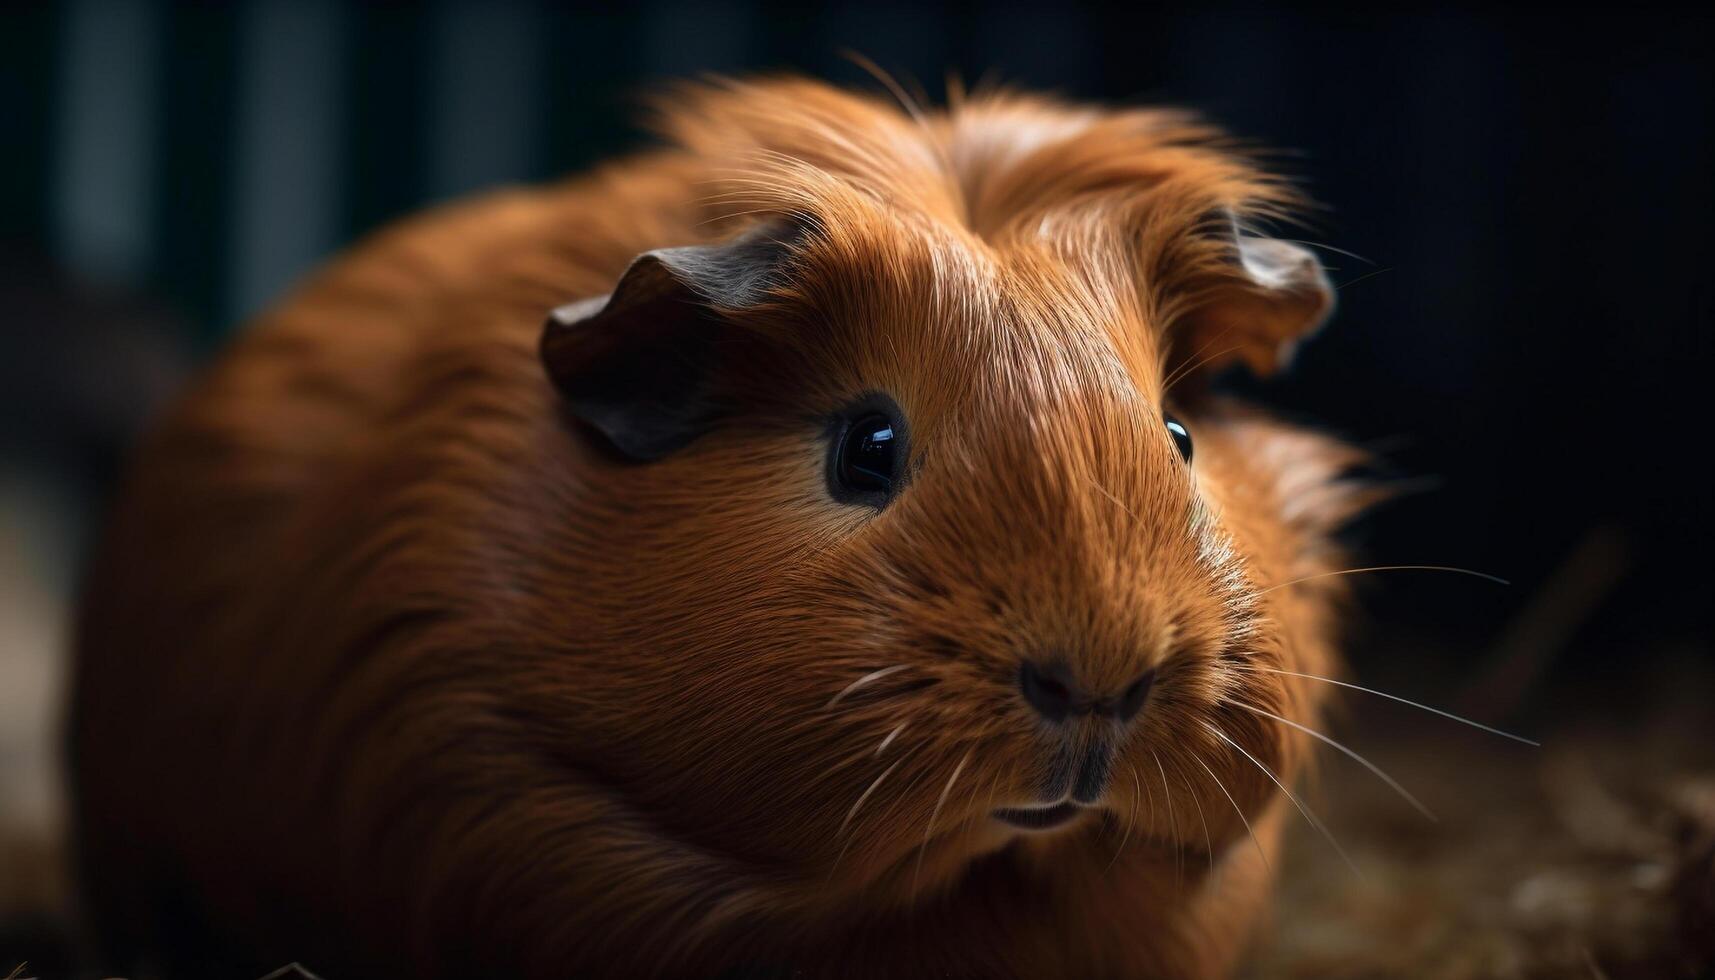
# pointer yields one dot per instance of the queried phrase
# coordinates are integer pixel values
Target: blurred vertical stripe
(105, 148)
(288, 191)
(213, 153)
(29, 46)
(1041, 45)
(592, 84)
(488, 95)
(386, 112)
(908, 41)
(685, 37)
(192, 257)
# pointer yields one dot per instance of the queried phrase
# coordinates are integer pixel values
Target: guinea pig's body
(825, 590)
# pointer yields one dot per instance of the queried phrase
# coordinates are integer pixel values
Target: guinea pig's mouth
(1040, 817)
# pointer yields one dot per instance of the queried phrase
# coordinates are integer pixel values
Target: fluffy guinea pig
(808, 548)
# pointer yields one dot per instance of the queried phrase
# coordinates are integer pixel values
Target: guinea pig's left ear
(1270, 296)
(639, 364)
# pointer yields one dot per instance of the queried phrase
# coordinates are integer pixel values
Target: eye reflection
(1181, 436)
(868, 455)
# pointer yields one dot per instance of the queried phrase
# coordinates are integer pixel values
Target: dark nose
(1055, 697)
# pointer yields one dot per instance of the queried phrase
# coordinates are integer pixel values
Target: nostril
(1131, 702)
(1047, 694)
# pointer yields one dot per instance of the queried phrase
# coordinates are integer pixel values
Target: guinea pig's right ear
(639, 365)
(1268, 296)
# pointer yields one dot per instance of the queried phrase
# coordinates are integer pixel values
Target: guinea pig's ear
(639, 364)
(1271, 295)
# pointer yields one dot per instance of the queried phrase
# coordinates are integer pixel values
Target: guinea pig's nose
(1131, 702)
(1054, 696)
(1048, 692)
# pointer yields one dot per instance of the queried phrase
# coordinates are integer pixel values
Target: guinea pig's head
(894, 527)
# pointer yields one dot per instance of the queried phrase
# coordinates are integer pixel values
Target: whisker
(879, 749)
(1208, 845)
(869, 754)
(868, 678)
(1392, 697)
(988, 804)
(1241, 813)
(1116, 501)
(1367, 275)
(1309, 817)
(886, 78)
(1151, 795)
(729, 215)
(1172, 821)
(929, 830)
(1367, 764)
(1173, 377)
(905, 791)
(1186, 371)
(866, 794)
(1330, 248)
(1131, 817)
(977, 792)
(853, 812)
(1389, 568)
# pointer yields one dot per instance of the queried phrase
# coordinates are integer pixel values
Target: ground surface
(1592, 856)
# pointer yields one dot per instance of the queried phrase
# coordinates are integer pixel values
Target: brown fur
(385, 667)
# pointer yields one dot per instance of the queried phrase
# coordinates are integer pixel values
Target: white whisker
(879, 749)
(1388, 568)
(1172, 821)
(1241, 813)
(1367, 764)
(860, 801)
(1104, 491)
(929, 830)
(868, 678)
(1131, 817)
(1187, 370)
(1393, 697)
(1208, 845)
(1151, 794)
(1368, 275)
(1330, 248)
(1173, 378)
(866, 794)
(988, 801)
(1309, 817)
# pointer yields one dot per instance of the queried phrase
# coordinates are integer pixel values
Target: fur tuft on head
(1172, 204)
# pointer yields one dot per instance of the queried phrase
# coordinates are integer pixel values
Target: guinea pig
(809, 548)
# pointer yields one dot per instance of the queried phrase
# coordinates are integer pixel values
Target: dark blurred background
(1525, 338)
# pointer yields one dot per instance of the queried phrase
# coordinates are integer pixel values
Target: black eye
(867, 460)
(1181, 436)
(866, 454)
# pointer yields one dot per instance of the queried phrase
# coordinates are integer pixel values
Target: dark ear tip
(640, 365)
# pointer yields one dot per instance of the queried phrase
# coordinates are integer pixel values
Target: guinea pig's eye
(867, 460)
(1181, 436)
(866, 455)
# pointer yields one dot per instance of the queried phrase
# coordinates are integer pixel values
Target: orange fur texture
(387, 667)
